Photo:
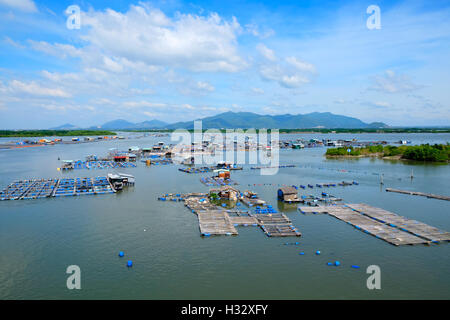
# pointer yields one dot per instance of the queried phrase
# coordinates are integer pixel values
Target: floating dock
(416, 193)
(382, 224)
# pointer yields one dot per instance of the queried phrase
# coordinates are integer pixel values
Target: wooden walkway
(416, 193)
(414, 227)
(378, 229)
(382, 224)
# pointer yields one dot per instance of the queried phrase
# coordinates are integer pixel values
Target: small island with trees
(424, 152)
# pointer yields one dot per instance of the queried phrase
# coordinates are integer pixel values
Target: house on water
(288, 194)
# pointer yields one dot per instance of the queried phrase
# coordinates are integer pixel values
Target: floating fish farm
(214, 220)
(215, 181)
(196, 170)
(100, 164)
(46, 188)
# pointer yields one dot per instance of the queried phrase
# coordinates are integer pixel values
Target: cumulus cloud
(33, 88)
(266, 52)
(290, 72)
(58, 49)
(390, 82)
(254, 30)
(257, 91)
(145, 34)
(205, 86)
(300, 65)
(285, 76)
(21, 5)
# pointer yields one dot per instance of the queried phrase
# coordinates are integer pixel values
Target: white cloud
(21, 5)
(145, 34)
(300, 65)
(286, 77)
(35, 89)
(257, 90)
(254, 30)
(205, 86)
(391, 82)
(58, 49)
(266, 52)
(144, 104)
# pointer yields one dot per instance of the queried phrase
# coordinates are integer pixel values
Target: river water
(40, 238)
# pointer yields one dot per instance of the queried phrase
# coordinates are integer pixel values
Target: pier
(416, 193)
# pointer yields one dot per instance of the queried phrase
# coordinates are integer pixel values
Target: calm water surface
(40, 238)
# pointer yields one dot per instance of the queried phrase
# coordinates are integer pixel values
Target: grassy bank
(52, 133)
(424, 152)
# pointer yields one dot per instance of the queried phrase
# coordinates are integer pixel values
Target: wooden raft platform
(215, 222)
(414, 227)
(277, 225)
(416, 193)
(370, 226)
(241, 218)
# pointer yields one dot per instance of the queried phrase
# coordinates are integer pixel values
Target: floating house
(225, 192)
(223, 173)
(288, 194)
(119, 180)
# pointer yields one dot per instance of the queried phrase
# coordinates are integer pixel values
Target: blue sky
(181, 60)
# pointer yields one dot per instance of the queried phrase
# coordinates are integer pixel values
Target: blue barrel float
(121, 254)
(129, 263)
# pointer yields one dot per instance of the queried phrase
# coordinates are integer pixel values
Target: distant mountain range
(234, 120)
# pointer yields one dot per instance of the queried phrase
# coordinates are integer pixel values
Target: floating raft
(215, 222)
(196, 170)
(214, 181)
(100, 164)
(416, 193)
(272, 167)
(242, 218)
(29, 189)
(414, 227)
(45, 188)
(277, 225)
(375, 221)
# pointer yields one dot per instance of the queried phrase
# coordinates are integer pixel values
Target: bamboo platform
(241, 218)
(375, 228)
(382, 224)
(277, 225)
(414, 227)
(217, 182)
(315, 210)
(215, 222)
(280, 230)
(416, 193)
